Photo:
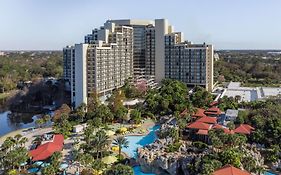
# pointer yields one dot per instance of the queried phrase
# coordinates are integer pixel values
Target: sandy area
(30, 135)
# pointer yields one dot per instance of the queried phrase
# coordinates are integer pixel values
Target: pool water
(137, 171)
(269, 173)
(137, 142)
(140, 141)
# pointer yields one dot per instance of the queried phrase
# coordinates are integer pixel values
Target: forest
(16, 67)
(252, 68)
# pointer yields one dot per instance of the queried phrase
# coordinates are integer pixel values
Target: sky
(227, 24)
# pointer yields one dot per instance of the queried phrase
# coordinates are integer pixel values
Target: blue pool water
(269, 173)
(137, 171)
(33, 170)
(137, 142)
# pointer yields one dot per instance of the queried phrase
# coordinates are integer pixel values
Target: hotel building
(138, 49)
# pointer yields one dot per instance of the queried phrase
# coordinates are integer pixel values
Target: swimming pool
(140, 141)
(269, 173)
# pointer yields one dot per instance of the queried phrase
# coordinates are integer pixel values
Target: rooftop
(248, 94)
(205, 119)
(46, 150)
(230, 170)
(199, 125)
(244, 129)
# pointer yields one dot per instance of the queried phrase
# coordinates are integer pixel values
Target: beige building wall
(80, 84)
(210, 68)
(161, 29)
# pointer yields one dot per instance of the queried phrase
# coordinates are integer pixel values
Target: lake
(9, 123)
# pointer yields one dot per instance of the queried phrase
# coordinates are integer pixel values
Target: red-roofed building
(213, 111)
(217, 126)
(230, 170)
(202, 132)
(228, 131)
(199, 125)
(244, 129)
(211, 120)
(199, 130)
(199, 113)
(46, 150)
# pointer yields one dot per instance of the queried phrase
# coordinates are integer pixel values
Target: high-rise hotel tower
(123, 49)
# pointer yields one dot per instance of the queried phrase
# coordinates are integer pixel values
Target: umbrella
(115, 148)
(123, 129)
(110, 133)
(33, 170)
(63, 166)
(109, 160)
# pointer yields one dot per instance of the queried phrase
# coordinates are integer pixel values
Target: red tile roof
(228, 131)
(202, 132)
(244, 129)
(199, 113)
(230, 170)
(46, 150)
(213, 110)
(206, 119)
(214, 103)
(217, 126)
(199, 125)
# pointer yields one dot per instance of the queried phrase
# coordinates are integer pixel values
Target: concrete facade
(146, 50)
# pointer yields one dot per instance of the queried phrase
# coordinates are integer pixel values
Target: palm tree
(22, 141)
(48, 170)
(55, 160)
(100, 142)
(38, 140)
(9, 143)
(39, 122)
(17, 139)
(121, 142)
(81, 111)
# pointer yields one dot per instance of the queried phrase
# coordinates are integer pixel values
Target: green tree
(231, 156)
(104, 113)
(81, 111)
(136, 116)
(121, 113)
(48, 170)
(119, 169)
(100, 143)
(39, 122)
(63, 126)
(55, 160)
(201, 98)
(93, 101)
(121, 142)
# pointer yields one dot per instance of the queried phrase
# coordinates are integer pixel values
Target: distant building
(248, 94)
(216, 57)
(2, 53)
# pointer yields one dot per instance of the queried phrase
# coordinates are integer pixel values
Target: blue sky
(228, 24)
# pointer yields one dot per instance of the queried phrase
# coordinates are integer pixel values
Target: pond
(9, 124)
